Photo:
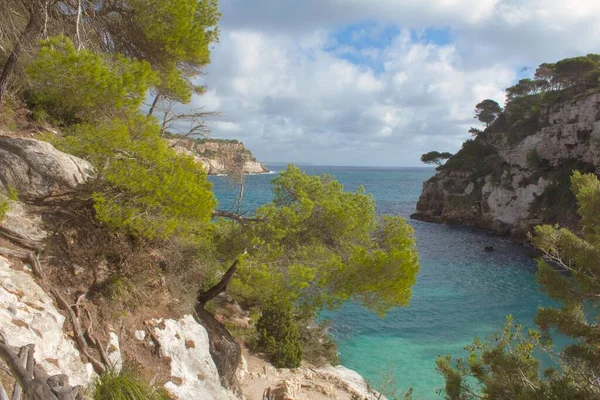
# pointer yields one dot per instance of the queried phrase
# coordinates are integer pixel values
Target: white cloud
(287, 89)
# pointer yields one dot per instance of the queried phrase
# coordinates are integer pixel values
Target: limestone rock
(21, 219)
(215, 155)
(506, 199)
(114, 351)
(37, 170)
(194, 374)
(28, 315)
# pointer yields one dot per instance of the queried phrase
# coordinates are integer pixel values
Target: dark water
(461, 290)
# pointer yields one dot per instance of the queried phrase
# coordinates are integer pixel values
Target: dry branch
(23, 355)
(35, 383)
(234, 216)
(220, 287)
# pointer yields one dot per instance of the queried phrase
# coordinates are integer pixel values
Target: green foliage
(569, 272)
(72, 86)
(475, 131)
(524, 109)
(526, 99)
(533, 159)
(487, 111)
(144, 187)
(319, 246)
(435, 157)
(470, 157)
(6, 197)
(171, 36)
(278, 336)
(501, 368)
(125, 385)
(180, 33)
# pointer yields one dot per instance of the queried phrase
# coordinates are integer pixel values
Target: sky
(377, 82)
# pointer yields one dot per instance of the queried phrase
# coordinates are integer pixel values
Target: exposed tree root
(82, 344)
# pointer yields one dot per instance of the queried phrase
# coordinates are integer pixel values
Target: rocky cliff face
(219, 156)
(515, 176)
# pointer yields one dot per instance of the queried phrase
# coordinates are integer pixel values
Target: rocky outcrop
(194, 374)
(305, 383)
(37, 170)
(28, 316)
(511, 178)
(219, 156)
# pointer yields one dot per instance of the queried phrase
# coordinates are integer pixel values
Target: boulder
(194, 374)
(37, 170)
(28, 316)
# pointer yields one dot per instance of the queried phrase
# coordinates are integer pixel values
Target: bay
(461, 291)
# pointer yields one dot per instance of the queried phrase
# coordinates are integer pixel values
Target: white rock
(28, 316)
(37, 170)
(22, 220)
(512, 206)
(114, 351)
(353, 379)
(193, 372)
(469, 188)
(242, 370)
(140, 335)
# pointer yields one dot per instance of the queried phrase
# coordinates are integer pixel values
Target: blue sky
(361, 82)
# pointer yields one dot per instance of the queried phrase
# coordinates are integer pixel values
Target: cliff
(219, 156)
(515, 174)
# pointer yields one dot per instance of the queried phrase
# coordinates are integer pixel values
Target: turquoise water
(461, 290)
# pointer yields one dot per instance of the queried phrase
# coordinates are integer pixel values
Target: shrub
(144, 187)
(126, 385)
(6, 197)
(533, 159)
(278, 336)
(469, 159)
(72, 86)
(318, 347)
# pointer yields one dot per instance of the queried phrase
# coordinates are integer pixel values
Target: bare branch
(234, 216)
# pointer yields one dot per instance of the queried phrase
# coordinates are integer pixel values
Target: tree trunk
(11, 62)
(220, 287)
(154, 103)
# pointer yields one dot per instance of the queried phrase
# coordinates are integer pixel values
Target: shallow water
(461, 292)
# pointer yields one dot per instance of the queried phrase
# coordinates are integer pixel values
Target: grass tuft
(127, 384)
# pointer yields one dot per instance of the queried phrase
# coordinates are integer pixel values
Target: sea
(461, 292)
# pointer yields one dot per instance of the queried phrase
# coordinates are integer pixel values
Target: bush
(318, 347)
(72, 86)
(125, 385)
(278, 336)
(6, 197)
(470, 157)
(144, 187)
(533, 159)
